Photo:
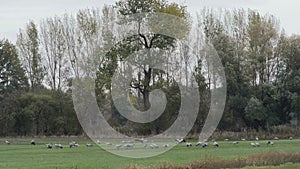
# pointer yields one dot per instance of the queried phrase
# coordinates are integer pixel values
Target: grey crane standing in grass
(118, 146)
(49, 146)
(73, 144)
(7, 142)
(89, 145)
(270, 143)
(141, 140)
(215, 144)
(189, 144)
(199, 143)
(153, 146)
(202, 144)
(256, 144)
(58, 146)
(32, 142)
(180, 140)
(128, 145)
(235, 142)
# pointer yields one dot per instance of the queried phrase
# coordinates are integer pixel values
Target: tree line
(260, 61)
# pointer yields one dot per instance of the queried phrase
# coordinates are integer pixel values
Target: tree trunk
(146, 90)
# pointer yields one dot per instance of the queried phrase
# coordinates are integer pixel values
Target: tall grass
(264, 159)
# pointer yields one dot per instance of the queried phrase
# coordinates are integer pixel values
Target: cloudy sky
(14, 14)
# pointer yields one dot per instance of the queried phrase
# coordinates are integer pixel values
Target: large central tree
(147, 40)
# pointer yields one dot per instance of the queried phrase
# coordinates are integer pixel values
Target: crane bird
(270, 143)
(98, 142)
(7, 142)
(202, 144)
(180, 140)
(32, 142)
(141, 140)
(215, 144)
(189, 144)
(128, 145)
(276, 138)
(256, 144)
(49, 146)
(243, 139)
(89, 145)
(256, 138)
(235, 142)
(199, 143)
(153, 146)
(58, 146)
(118, 146)
(73, 144)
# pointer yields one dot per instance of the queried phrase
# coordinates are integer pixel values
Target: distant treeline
(262, 66)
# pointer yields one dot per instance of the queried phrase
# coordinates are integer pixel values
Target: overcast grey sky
(14, 14)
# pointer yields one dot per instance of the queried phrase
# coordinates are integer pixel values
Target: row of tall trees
(257, 57)
(261, 65)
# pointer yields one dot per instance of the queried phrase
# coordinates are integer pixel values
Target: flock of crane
(130, 144)
(57, 145)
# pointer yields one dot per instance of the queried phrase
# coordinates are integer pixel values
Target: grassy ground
(285, 166)
(22, 155)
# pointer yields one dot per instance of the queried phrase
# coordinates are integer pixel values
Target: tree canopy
(261, 62)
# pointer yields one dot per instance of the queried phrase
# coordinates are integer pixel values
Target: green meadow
(20, 154)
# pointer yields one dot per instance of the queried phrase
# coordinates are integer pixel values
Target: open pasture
(20, 154)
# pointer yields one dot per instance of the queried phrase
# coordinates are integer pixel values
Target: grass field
(20, 154)
(285, 166)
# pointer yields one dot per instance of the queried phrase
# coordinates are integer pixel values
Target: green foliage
(255, 112)
(12, 76)
(262, 68)
(28, 45)
(43, 113)
(129, 7)
(149, 78)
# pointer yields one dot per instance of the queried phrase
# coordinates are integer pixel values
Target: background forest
(262, 66)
